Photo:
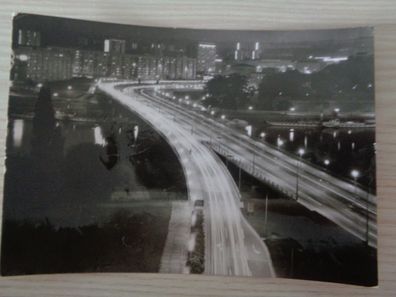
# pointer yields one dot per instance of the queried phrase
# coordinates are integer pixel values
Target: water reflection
(17, 134)
(98, 134)
(343, 149)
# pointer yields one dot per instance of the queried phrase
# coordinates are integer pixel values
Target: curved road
(232, 247)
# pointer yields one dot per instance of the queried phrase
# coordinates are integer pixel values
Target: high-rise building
(29, 38)
(46, 64)
(206, 58)
(114, 46)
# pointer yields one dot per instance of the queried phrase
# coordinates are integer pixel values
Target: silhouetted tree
(229, 92)
(43, 123)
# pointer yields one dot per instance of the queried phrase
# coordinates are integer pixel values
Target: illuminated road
(232, 247)
(340, 201)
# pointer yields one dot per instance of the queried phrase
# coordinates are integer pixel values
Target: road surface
(340, 201)
(232, 247)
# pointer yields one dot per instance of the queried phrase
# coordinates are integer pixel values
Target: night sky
(71, 33)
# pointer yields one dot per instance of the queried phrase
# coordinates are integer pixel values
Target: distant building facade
(44, 64)
(116, 46)
(62, 63)
(206, 58)
(29, 38)
(251, 51)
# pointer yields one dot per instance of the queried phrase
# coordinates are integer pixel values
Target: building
(29, 38)
(46, 63)
(251, 51)
(206, 58)
(116, 46)
(62, 63)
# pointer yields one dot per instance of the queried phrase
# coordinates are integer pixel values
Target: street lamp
(355, 174)
(280, 142)
(300, 152)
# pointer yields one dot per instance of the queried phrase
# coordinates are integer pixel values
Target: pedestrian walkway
(174, 256)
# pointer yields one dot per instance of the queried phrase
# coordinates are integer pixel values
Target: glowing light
(23, 58)
(223, 116)
(355, 173)
(98, 135)
(249, 130)
(18, 132)
(326, 162)
(301, 152)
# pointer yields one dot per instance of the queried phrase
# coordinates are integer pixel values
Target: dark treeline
(350, 81)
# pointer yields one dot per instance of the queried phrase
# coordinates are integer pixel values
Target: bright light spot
(249, 130)
(186, 97)
(349, 131)
(291, 135)
(55, 94)
(280, 142)
(223, 116)
(195, 105)
(292, 108)
(69, 87)
(23, 58)
(191, 242)
(39, 85)
(18, 132)
(355, 173)
(301, 151)
(98, 135)
(326, 162)
(336, 109)
(250, 107)
(212, 112)
(203, 108)
(262, 134)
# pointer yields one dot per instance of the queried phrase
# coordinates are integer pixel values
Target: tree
(279, 86)
(46, 141)
(228, 92)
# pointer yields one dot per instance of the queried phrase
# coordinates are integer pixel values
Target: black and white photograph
(188, 151)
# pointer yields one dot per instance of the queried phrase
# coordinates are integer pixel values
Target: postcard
(174, 150)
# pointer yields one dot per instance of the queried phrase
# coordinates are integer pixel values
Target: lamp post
(301, 152)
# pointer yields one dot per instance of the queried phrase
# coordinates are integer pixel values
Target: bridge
(232, 247)
(340, 201)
